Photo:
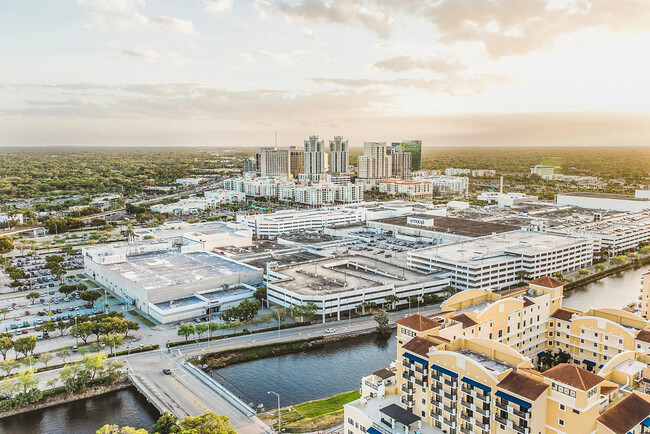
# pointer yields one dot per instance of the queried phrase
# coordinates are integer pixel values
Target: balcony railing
(408, 390)
(500, 420)
(501, 405)
(449, 396)
(465, 417)
(407, 400)
(466, 389)
(451, 383)
(436, 403)
(422, 371)
(449, 409)
(419, 382)
(465, 430)
(521, 429)
(482, 411)
(373, 385)
(522, 414)
(436, 416)
(381, 429)
(451, 423)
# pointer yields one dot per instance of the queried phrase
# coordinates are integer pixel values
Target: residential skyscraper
(375, 163)
(249, 165)
(415, 148)
(400, 162)
(339, 155)
(314, 155)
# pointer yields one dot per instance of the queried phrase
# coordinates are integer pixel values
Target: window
(576, 411)
(562, 407)
(560, 422)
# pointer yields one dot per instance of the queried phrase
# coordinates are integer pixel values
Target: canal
(615, 291)
(123, 407)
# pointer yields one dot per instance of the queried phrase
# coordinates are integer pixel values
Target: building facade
(314, 154)
(400, 162)
(339, 156)
(375, 163)
(411, 189)
(249, 165)
(413, 147)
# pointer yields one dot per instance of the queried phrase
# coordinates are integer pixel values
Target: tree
(62, 326)
(74, 377)
(112, 340)
(94, 363)
(382, 323)
(62, 353)
(9, 365)
(67, 289)
(47, 326)
(130, 325)
(90, 296)
(618, 260)
(600, 267)
(185, 331)
(6, 343)
(46, 358)
(82, 331)
(167, 423)
(644, 250)
(260, 295)
(25, 345)
(393, 300)
(6, 244)
(208, 423)
(212, 327)
(27, 384)
(4, 311)
(200, 329)
(33, 296)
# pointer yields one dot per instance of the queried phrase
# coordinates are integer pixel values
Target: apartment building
(249, 165)
(281, 162)
(339, 155)
(375, 163)
(413, 147)
(456, 373)
(400, 162)
(314, 154)
(455, 172)
(411, 189)
(484, 173)
(497, 261)
(444, 185)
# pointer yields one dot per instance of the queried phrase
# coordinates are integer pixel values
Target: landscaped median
(312, 415)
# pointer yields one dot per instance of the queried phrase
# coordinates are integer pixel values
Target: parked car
(167, 371)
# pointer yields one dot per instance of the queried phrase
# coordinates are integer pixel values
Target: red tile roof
(418, 345)
(563, 314)
(466, 320)
(546, 281)
(573, 376)
(643, 336)
(418, 322)
(523, 385)
(626, 414)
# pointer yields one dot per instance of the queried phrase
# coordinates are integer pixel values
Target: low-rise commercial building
(613, 202)
(165, 279)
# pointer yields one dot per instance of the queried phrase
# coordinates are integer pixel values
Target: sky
(233, 72)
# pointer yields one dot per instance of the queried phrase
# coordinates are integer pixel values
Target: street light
(279, 415)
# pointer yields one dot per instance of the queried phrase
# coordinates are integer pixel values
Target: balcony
(500, 420)
(419, 382)
(483, 396)
(482, 411)
(451, 383)
(465, 417)
(422, 371)
(465, 430)
(436, 403)
(466, 389)
(381, 429)
(408, 364)
(449, 409)
(521, 429)
(501, 405)
(406, 389)
(408, 400)
(522, 414)
(483, 426)
(436, 416)
(372, 385)
(451, 423)
(465, 404)
(449, 396)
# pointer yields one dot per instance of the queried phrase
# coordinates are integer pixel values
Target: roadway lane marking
(195, 402)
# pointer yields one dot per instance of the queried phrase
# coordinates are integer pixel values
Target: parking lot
(25, 315)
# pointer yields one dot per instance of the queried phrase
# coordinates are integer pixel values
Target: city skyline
(225, 73)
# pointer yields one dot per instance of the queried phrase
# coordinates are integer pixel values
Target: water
(300, 377)
(123, 407)
(615, 291)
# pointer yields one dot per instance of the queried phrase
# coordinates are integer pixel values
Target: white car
(330, 330)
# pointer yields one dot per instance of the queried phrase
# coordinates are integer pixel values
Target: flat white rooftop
(169, 268)
(492, 249)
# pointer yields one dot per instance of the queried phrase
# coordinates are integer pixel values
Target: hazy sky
(231, 72)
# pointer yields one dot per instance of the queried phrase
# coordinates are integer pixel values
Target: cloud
(437, 65)
(309, 33)
(514, 27)
(121, 6)
(371, 15)
(285, 59)
(218, 6)
(176, 24)
(246, 58)
(103, 21)
(141, 53)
